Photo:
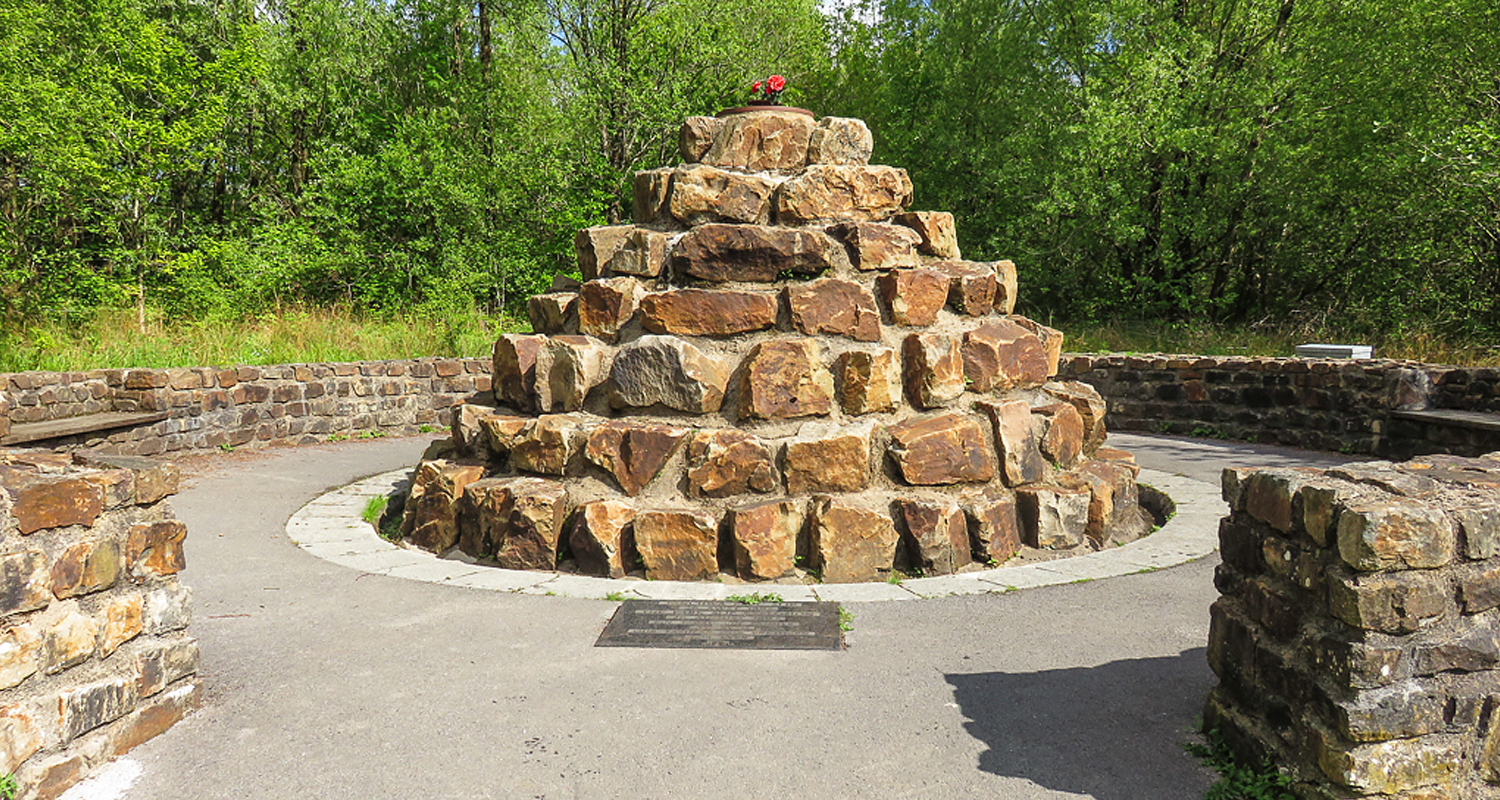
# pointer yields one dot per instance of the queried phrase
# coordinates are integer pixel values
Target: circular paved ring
(330, 527)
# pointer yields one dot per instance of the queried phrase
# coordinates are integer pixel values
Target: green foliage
(846, 619)
(9, 787)
(374, 508)
(755, 598)
(1239, 781)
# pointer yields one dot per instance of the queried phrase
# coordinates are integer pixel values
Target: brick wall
(94, 655)
(1356, 636)
(1343, 406)
(213, 406)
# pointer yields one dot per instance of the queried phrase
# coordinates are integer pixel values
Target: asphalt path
(325, 682)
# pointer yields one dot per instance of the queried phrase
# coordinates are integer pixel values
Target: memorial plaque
(724, 624)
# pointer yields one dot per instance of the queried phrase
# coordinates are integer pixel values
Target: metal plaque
(724, 624)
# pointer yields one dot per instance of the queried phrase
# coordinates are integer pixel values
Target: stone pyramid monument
(776, 373)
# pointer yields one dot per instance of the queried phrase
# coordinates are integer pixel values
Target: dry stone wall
(1339, 405)
(776, 369)
(94, 653)
(235, 406)
(1357, 636)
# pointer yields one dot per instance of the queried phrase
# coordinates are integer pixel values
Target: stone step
(1474, 420)
(72, 426)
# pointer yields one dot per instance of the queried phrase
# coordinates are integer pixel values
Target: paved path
(323, 681)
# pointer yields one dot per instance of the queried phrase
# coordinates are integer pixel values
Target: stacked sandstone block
(776, 365)
(1357, 638)
(94, 657)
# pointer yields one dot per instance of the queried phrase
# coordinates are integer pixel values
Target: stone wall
(1357, 636)
(94, 654)
(234, 406)
(1339, 405)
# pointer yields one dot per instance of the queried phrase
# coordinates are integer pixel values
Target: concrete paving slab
(501, 580)
(862, 592)
(434, 571)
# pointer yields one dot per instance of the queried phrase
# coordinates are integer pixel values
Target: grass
(111, 339)
(374, 508)
(1239, 781)
(846, 619)
(756, 597)
(1130, 336)
(9, 788)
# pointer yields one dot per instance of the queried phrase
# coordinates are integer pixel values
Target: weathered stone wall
(1339, 405)
(94, 653)
(1357, 636)
(214, 406)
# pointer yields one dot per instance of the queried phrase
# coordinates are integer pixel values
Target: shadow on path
(1113, 732)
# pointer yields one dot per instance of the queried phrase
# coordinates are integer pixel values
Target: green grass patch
(374, 509)
(1237, 780)
(846, 619)
(1146, 336)
(756, 597)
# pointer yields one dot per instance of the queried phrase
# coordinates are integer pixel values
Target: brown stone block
(1479, 588)
(431, 516)
(1386, 768)
(550, 444)
(1394, 602)
(1480, 527)
(879, 245)
(837, 193)
(501, 430)
(834, 306)
(1018, 438)
(514, 369)
(144, 379)
(699, 312)
(677, 545)
(851, 544)
(722, 463)
(85, 567)
(720, 253)
(20, 653)
(936, 535)
(840, 140)
(20, 737)
(994, 528)
(1052, 517)
(567, 369)
(768, 139)
(603, 538)
(87, 707)
(1397, 533)
(153, 479)
(481, 515)
(829, 458)
(153, 718)
(785, 379)
(644, 254)
(765, 538)
(1086, 400)
(596, 246)
(869, 381)
(1062, 434)
(533, 524)
(934, 370)
(1052, 340)
(69, 638)
(971, 286)
(914, 296)
(122, 622)
(1114, 503)
(50, 501)
(650, 190)
(554, 312)
(606, 304)
(696, 136)
(160, 663)
(1006, 289)
(701, 194)
(155, 550)
(1001, 355)
(667, 370)
(942, 449)
(633, 453)
(938, 233)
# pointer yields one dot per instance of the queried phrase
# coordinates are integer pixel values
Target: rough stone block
(827, 193)
(38, 502)
(768, 139)
(501, 430)
(550, 444)
(533, 524)
(971, 286)
(1001, 355)
(829, 458)
(765, 538)
(937, 229)
(567, 368)
(20, 737)
(696, 137)
(167, 609)
(1315, 507)
(1006, 289)
(152, 479)
(834, 306)
(1052, 340)
(482, 511)
(596, 246)
(1268, 496)
(153, 718)
(667, 370)
(840, 140)
(633, 453)
(553, 312)
(722, 463)
(1062, 433)
(85, 567)
(1114, 504)
(720, 253)
(87, 707)
(879, 245)
(69, 639)
(849, 543)
(941, 449)
(644, 254)
(785, 379)
(160, 664)
(935, 535)
(514, 369)
(1052, 517)
(913, 296)
(603, 538)
(1479, 588)
(994, 528)
(155, 550)
(700, 312)
(1018, 439)
(1481, 530)
(650, 191)
(20, 653)
(1387, 768)
(430, 519)
(934, 369)
(606, 304)
(1087, 401)
(1390, 602)
(677, 545)
(869, 381)
(701, 194)
(122, 622)
(1394, 533)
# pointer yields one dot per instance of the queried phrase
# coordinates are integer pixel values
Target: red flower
(755, 88)
(776, 83)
